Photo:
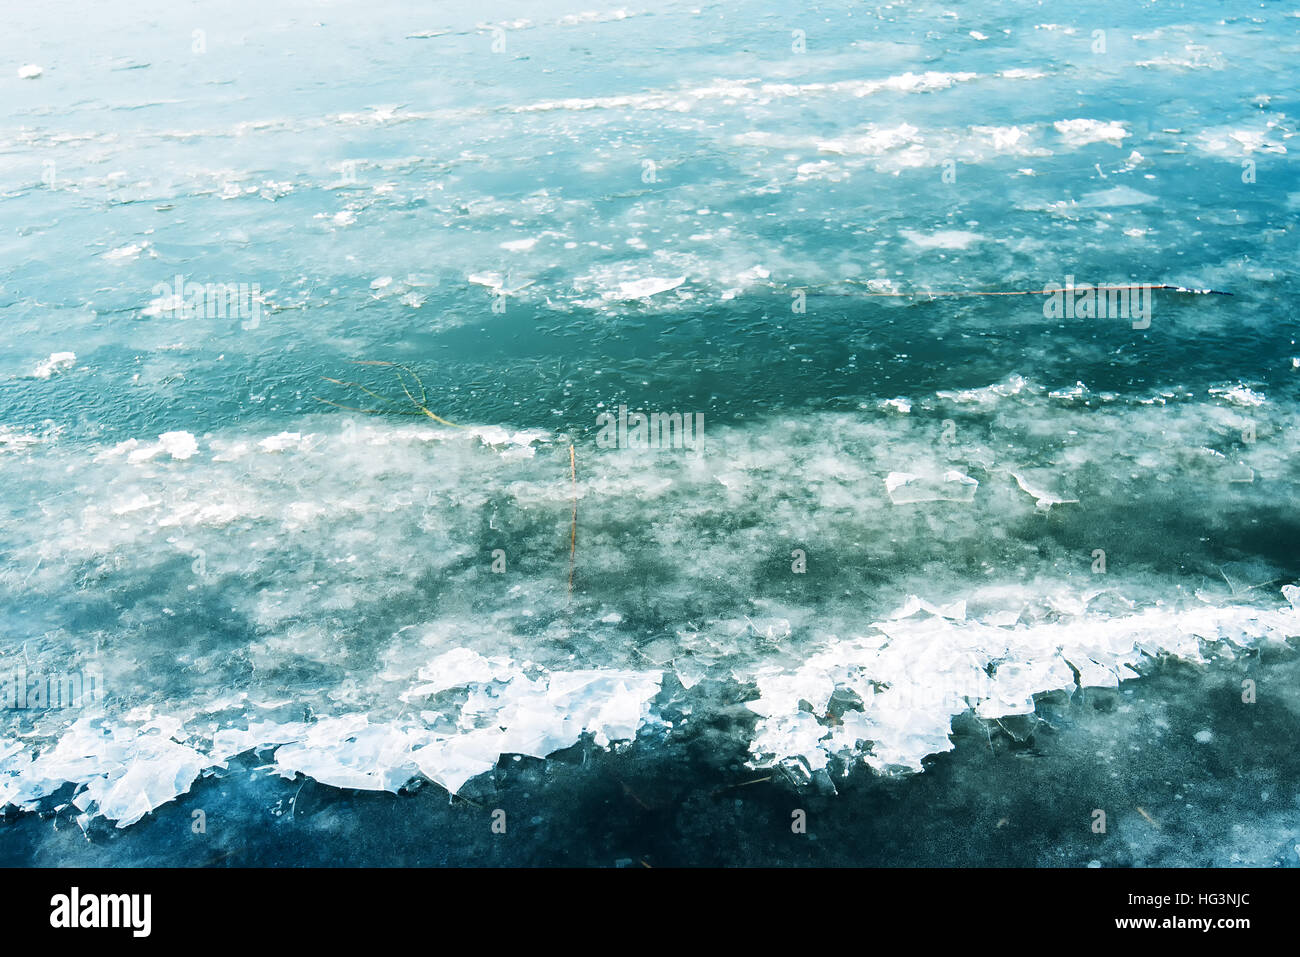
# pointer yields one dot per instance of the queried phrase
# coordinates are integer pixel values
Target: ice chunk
(644, 288)
(1034, 484)
(460, 667)
(988, 395)
(125, 253)
(57, 362)
(943, 239)
(955, 610)
(452, 762)
(228, 742)
(1081, 132)
(907, 489)
(1016, 682)
(179, 445)
(350, 752)
(1240, 395)
(278, 443)
(1292, 594)
(127, 772)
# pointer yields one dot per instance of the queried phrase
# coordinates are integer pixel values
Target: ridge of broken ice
(913, 674)
(361, 514)
(125, 769)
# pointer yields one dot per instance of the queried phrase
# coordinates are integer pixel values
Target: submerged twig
(634, 796)
(1150, 819)
(573, 526)
(421, 404)
(742, 784)
(971, 293)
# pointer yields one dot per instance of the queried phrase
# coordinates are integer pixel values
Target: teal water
(546, 213)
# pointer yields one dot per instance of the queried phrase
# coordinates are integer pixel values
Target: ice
(926, 670)
(460, 666)
(956, 610)
(1232, 142)
(1240, 395)
(126, 772)
(907, 489)
(1080, 132)
(57, 362)
(840, 556)
(228, 742)
(179, 445)
(1292, 594)
(944, 239)
(1012, 140)
(1034, 484)
(987, 395)
(644, 288)
(29, 71)
(351, 672)
(126, 253)
(129, 768)
(278, 443)
(1015, 683)
(1117, 196)
(350, 752)
(493, 280)
(453, 762)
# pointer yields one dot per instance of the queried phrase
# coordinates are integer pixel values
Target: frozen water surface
(946, 572)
